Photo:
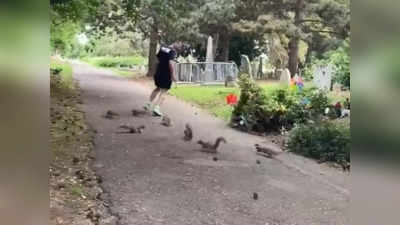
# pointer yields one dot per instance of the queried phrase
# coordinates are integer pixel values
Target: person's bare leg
(161, 97)
(159, 101)
(154, 94)
(149, 106)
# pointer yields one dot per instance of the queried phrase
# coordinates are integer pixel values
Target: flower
(231, 99)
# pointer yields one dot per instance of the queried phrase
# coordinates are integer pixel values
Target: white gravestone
(245, 66)
(323, 77)
(285, 77)
(209, 59)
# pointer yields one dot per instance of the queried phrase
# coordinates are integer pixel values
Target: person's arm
(171, 68)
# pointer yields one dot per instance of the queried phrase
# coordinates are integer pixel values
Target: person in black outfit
(163, 77)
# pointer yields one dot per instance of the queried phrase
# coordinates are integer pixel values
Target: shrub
(281, 108)
(325, 141)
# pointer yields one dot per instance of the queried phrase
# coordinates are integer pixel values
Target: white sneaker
(147, 107)
(157, 111)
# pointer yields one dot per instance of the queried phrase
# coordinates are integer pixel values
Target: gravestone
(245, 65)
(254, 68)
(209, 59)
(285, 77)
(323, 77)
(336, 87)
(230, 81)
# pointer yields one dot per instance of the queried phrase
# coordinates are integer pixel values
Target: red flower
(231, 99)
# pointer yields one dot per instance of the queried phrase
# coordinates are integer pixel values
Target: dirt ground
(75, 194)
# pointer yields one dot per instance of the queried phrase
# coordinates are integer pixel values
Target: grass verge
(117, 63)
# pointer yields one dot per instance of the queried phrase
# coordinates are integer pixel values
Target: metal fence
(204, 72)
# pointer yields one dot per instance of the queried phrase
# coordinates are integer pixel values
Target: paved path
(155, 178)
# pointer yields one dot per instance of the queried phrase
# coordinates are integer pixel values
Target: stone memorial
(245, 66)
(209, 59)
(323, 77)
(285, 77)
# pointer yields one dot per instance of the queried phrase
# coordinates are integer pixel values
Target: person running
(163, 77)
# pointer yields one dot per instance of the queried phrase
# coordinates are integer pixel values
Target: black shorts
(163, 82)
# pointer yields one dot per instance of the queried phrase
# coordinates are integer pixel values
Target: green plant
(318, 101)
(325, 141)
(282, 107)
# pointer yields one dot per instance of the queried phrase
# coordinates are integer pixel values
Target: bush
(325, 141)
(281, 108)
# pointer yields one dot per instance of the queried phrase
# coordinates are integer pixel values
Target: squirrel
(132, 129)
(111, 114)
(138, 112)
(267, 152)
(211, 148)
(188, 133)
(166, 121)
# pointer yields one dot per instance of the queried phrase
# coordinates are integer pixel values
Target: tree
(297, 20)
(67, 19)
(162, 20)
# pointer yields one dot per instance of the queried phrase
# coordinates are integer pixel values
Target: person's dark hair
(181, 49)
(177, 47)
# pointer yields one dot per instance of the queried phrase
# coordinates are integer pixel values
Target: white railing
(205, 72)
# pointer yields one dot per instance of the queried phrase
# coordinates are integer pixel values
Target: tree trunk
(153, 52)
(224, 45)
(293, 55)
(215, 45)
(294, 41)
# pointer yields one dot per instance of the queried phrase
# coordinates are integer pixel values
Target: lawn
(212, 98)
(115, 63)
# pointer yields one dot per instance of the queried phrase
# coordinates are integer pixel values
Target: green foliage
(263, 112)
(63, 37)
(318, 101)
(62, 74)
(341, 60)
(123, 44)
(113, 62)
(242, 44)
(324, 140)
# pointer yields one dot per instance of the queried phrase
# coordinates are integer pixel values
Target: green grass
(110, 62)
(114, 63)
(66, 71)
(76, 190)
(210, 98)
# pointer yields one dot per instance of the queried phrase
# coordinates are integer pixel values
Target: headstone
(209, 59)
(285, 77)
(336, 87)
(323, 77)
(230, 81)
(209, 56)
(245, 65)
(254, 68)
